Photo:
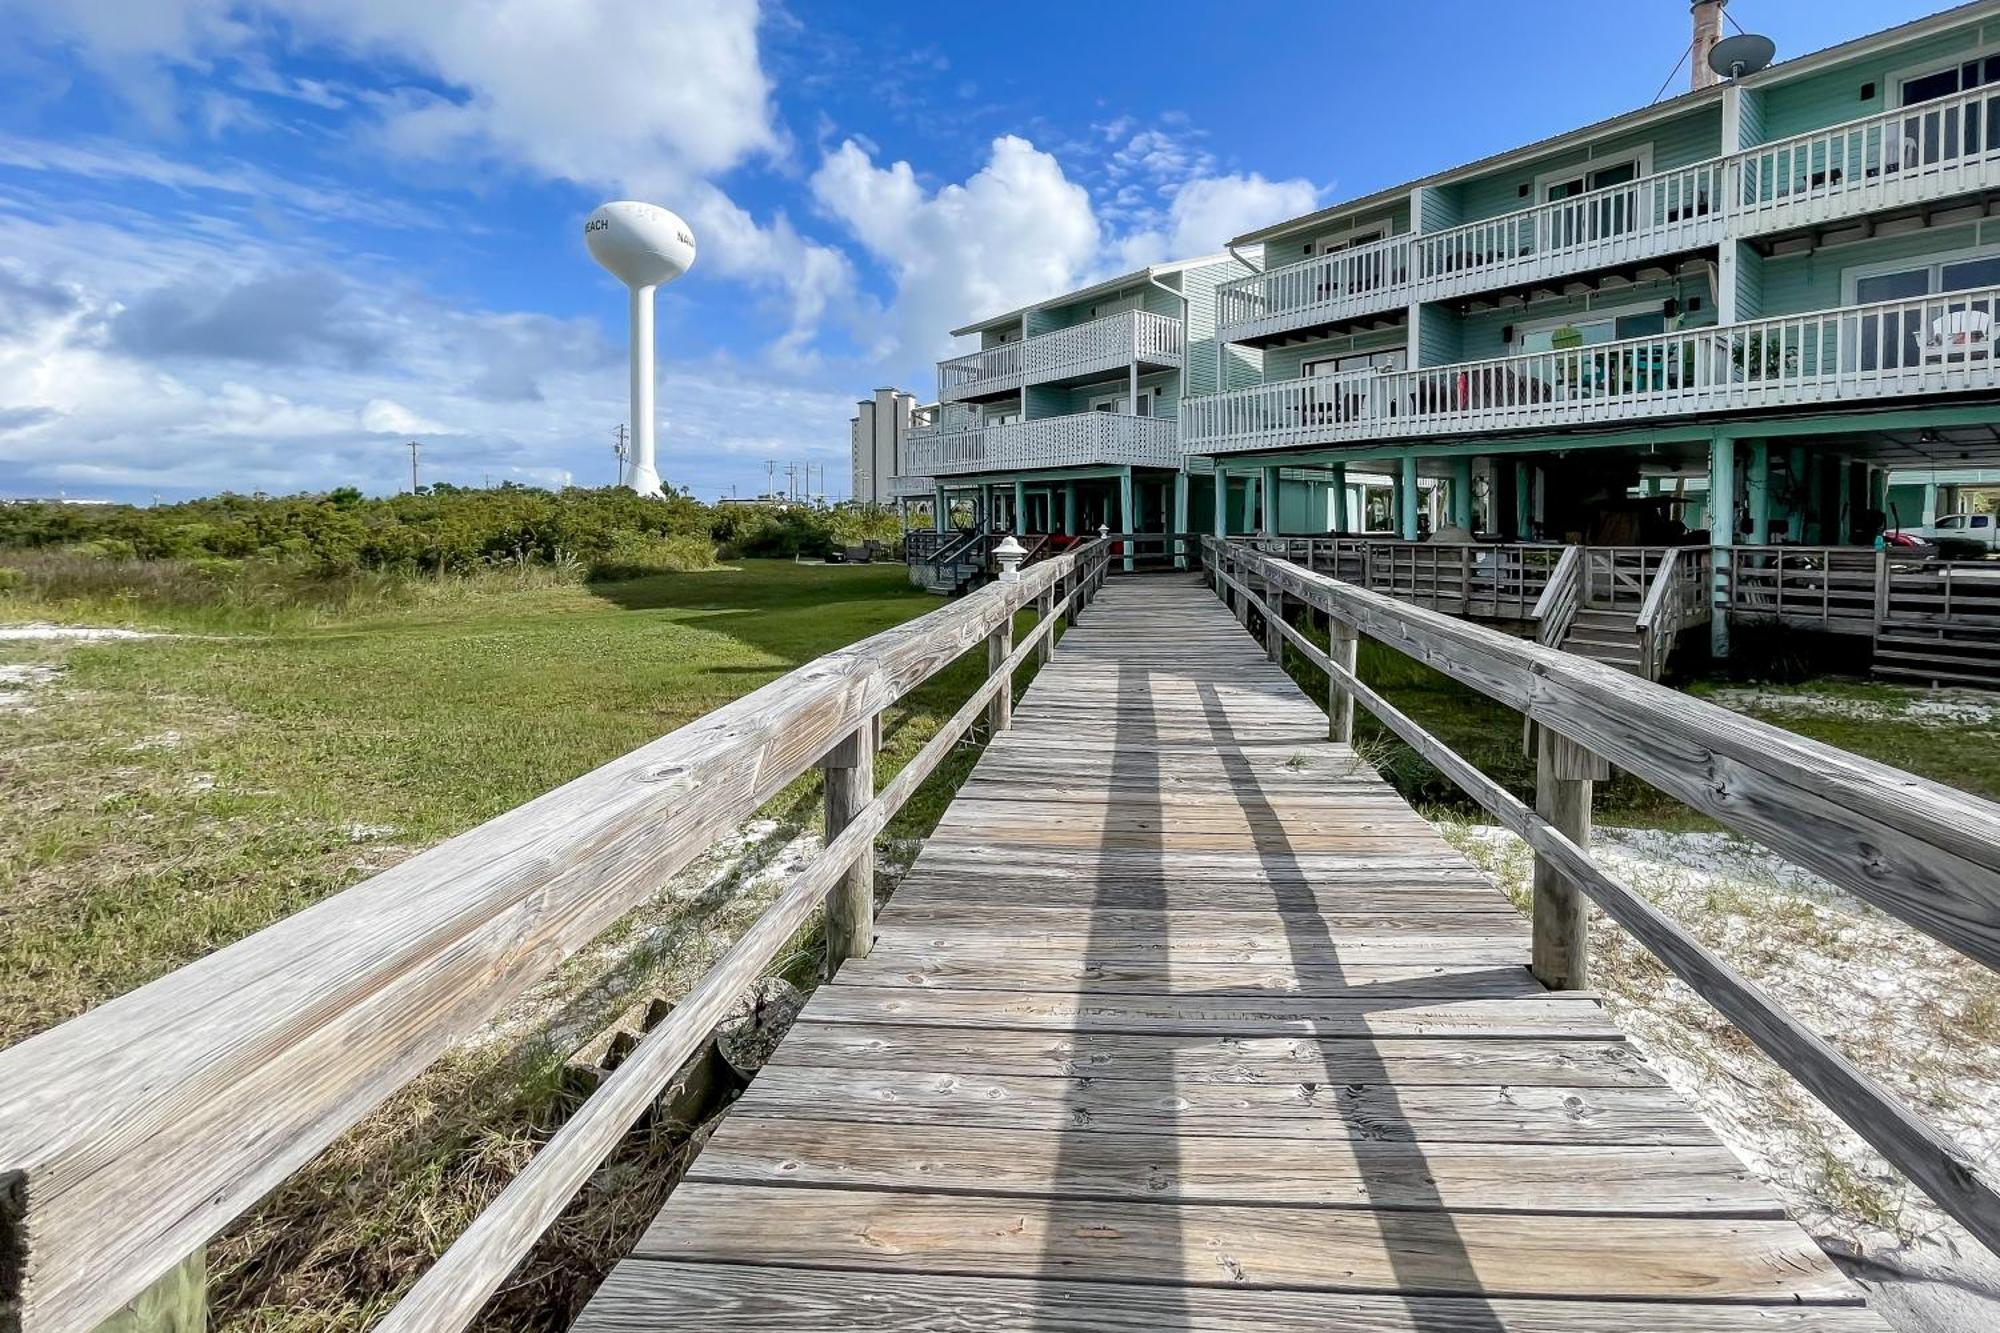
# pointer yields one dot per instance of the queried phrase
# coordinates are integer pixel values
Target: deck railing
(1076, 439)
(1924, 853)
(132, 1135)
(1936, 344)
(1099, 345)
(1927, 152)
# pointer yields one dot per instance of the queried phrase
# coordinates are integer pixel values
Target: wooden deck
(1184, 1019)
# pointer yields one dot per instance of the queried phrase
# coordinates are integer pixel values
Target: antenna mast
(413, 467)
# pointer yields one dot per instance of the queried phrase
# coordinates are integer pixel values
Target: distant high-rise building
(877, 435)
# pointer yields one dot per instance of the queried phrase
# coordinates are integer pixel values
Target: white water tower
(643, 246)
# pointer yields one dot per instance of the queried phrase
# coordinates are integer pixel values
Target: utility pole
(620, 447)
(413, 467)
(770, 476)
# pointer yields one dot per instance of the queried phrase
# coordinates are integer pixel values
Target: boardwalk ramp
(1185, 1019)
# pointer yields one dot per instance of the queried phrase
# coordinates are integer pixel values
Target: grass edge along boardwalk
(1183, 1018)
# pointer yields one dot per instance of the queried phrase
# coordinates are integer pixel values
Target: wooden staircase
(1609, 636)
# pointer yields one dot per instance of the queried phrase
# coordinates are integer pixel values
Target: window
(1981, 521)
(1959, 78)
(1596, 328)
(1596, 178)
(1341, 365)
(1121, 403)
(1899, 337)
(1365, 236)
(1117, 305)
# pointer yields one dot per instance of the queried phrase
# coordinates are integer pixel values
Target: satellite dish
(643, 246)
(1745, 53)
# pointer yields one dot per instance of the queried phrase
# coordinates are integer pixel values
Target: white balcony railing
(1930, 151)
(1080, 439)
(1938, 344)
(1927, 152)
(1082, 349)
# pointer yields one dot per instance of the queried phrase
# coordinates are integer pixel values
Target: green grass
(171, 795)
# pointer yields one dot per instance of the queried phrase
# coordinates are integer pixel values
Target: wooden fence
(1924, 853)
(132, 1135)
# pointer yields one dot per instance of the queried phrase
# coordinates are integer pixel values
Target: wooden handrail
(131, 1135)
(1488, 660)
(1556, 607)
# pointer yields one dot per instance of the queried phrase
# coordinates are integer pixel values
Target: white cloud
(1017, 230)
(1208, 210)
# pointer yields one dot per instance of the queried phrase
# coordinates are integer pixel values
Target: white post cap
(1009, 553)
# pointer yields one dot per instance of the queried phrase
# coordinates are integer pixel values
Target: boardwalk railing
(132, 1135)
(1922, 852)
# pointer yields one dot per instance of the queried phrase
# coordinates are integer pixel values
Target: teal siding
(1440, 338)
(1437, 209)
(1750, 126)
(1200, 284)
(1833, 96)
(1794, 284)
(1163, 387)
(1749, 282)
(1694, 137)
(1242, 367)
(1044, 401)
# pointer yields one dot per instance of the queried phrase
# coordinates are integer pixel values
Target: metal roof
(1104, 288)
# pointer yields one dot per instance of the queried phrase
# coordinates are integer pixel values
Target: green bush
(12, 579)
(633, 554)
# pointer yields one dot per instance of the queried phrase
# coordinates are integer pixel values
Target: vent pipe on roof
(1707, 32)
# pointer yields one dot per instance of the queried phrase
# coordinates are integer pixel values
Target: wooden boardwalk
(1184, 1019)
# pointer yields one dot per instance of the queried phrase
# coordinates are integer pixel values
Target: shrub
(633, 554)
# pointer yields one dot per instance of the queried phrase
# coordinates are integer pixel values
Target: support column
(1069, 508)
(1126, 517)
(1721, 535)
(1843, 529)
(1524, 503)
(1878, 488)
(1020, 523)
(1565, 775)
(1180, 525)
(1249, 523)
(1344, 644)
(1221, 504)
(1757, 492)
(1930, 503)
(1407, 488)
(1339, 483)
(850, 906)
(1461, 492)
(1271, 491)
(941, 512)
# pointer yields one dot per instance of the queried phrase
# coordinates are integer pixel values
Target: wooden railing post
(1565, 774)
(1045, 648)
(1000, 643)
(1345, 642)
(850, 785)
(1274, 615)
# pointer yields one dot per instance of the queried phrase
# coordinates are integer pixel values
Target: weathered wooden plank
(1493, 1255)
(1305, 927)
(1702, 1180)
(968, 970)
(1060, 933)
(645, 1297)
(1305, 1108)
(1402, 1062)
(1551, 1016)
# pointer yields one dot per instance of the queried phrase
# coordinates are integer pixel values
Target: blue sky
(259, 245)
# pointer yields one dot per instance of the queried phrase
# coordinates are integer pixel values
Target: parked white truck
(1958, 536)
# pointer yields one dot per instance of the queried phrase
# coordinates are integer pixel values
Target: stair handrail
(1555, 609)
(1660, 614)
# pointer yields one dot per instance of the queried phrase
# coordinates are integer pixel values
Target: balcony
(1080, 352)
(1081, 439)
(1918, 155)
(1924, 346)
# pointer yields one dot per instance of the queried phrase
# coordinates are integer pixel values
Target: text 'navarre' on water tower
(643, 246)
